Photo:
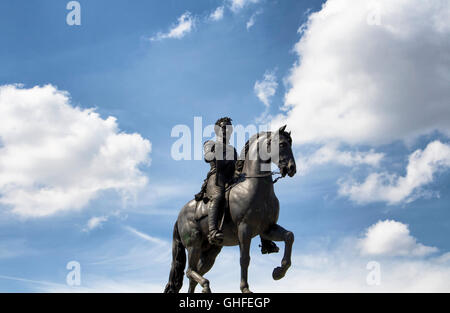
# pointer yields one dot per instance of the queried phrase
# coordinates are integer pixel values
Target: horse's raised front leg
(278, 233)
(245, 239)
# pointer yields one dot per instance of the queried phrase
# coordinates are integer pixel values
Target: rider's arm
(208, 149)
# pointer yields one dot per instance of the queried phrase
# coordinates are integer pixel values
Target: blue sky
(367, 105)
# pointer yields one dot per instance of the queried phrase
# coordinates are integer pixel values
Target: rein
(267, 175)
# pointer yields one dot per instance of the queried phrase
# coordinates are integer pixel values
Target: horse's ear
(289, 133)
(282, 129)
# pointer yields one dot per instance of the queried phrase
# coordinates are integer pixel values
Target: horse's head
(283, 158)
(266, 148)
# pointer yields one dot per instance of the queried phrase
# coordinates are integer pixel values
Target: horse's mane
(244, 152)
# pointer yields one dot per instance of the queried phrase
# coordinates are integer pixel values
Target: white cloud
(250, 22)
(95, 222)
(144, 236)
(237, 5)
(266, 88)
(217, 15)
(184, 26)
(393, 239)
(55, 157)
(44, 284)
(362, 83)
(445, 258)
(252, 19)
(394, 189)
(330, 153)
(333, 272)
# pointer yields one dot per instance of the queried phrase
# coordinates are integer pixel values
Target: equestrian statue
(237, 202)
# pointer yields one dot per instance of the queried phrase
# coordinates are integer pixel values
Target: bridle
(269, 145)
(266, 175)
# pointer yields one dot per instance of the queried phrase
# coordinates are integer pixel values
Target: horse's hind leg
(278, 233)
(207, 259)
(192, 274)
(192, 285)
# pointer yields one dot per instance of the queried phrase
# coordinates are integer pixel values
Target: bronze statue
(250, 208)
(222, 157)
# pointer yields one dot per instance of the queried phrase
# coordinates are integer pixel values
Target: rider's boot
(215, 236)
(268, 246)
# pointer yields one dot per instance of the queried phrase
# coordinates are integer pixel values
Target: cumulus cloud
(183, 27)
(55, 157)
(266, 88)
(217, 15)
(330, 153)
(394, 189)
(392, 238)
(371, 74)
(237, 5)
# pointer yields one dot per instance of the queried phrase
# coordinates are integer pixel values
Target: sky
(87, 118)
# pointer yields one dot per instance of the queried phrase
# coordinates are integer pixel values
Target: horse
(252, 209)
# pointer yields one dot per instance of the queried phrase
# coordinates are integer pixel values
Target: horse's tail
(178, 263)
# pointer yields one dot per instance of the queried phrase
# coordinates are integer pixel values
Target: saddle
(202, 205)
(202, 209)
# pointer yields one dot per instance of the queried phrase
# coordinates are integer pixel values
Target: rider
(222, 158)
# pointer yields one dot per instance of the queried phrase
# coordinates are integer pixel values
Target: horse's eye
(283, 145)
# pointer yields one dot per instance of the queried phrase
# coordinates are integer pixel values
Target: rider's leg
(217, 195)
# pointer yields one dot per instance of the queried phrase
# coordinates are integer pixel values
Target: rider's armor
(222, 158)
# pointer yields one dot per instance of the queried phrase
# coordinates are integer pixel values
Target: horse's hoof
(246, 290)
(278, 273)
(206, 290)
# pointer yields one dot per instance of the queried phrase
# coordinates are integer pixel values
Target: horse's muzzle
(291, 168)
(288, 169)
